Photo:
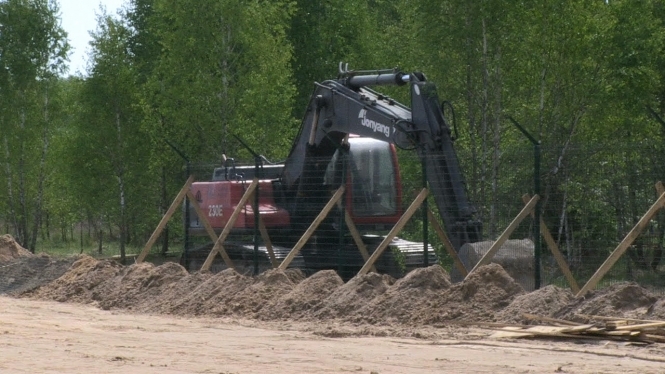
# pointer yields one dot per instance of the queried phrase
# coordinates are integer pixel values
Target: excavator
(348, 136)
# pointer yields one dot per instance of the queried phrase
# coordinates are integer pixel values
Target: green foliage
(32, 50)
(32, 44)
(577, 75)
(225, 73)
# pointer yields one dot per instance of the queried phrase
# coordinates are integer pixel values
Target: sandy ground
(50, 337)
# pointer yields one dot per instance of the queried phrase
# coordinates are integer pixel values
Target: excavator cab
(373, 179)
(375, 196)
(373, 185)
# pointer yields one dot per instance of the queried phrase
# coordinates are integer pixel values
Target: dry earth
(114, 318)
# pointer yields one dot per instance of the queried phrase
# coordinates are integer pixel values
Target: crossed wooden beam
(626, 242)
(335, 200)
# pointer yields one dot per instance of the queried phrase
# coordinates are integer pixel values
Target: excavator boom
(348, 106)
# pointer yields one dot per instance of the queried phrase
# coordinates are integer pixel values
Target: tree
(33, 49)
(224, 69)
(109, 128)
(323, 34)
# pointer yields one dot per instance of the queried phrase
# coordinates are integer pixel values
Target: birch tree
(33, 49)
(109, 132)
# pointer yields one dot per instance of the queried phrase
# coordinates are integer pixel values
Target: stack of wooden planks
(598, 327)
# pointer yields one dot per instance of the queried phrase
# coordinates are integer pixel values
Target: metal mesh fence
(590, 200)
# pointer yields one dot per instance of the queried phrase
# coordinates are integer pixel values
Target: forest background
(93, 155)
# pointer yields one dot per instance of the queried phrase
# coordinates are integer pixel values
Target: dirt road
(50, 337)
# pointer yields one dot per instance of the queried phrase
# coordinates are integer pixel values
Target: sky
(78, 19)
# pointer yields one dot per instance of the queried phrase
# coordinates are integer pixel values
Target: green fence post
(536, 186)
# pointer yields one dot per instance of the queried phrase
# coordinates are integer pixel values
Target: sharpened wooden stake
(218, 247)
(202, 216)
(446, 242)
(355, 234)
(625, 243)
(528, 208)
(310, 230)
(554, 248)
(394, 231)
(165, 219)
(268, 242)
(208, 227)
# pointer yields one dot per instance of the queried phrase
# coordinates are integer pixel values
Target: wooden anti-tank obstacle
(527, 210)
(336, 200)
(312, 227)
(394, 231)
(626, 242)
(554, 248)
(167, 216)
(218, 247)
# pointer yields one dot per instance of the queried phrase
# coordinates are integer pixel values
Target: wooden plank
(619, 333)
(394, 231)
(654, 338)
(446, 242)
(588, 331)
(511, 333)
(218, 247)
(208, 227)
(357, 238)
(202, 216)
(611, 325)
(540, 332)
(623, 246)
(606, 318)
(640, 327)
(266, 239)
(165, 219)
(506, 234)
(534, 317)
(554, 248)
(310, 230)
(577, 329)
(522, 332)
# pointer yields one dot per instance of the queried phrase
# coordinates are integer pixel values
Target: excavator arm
(348, 106)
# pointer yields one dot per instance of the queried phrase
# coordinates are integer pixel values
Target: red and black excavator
(347, 137)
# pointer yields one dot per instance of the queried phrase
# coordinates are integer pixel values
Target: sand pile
(227, 293)
(177, 297)
(546, 302)
(423, 297)
(25, 274)
(10, 249)
(262, 290)
(113, 286)
(657, 310)
(478, 298)
(627, 300)
(138, 286)
(210, 295)
(305, 298)
(412, 293)
(79, 283)
(353, 295)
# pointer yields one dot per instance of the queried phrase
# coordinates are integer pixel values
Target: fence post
(424, 211)
(257, 213)
(537, 242)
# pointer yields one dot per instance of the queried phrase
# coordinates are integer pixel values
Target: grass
(60, 248)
